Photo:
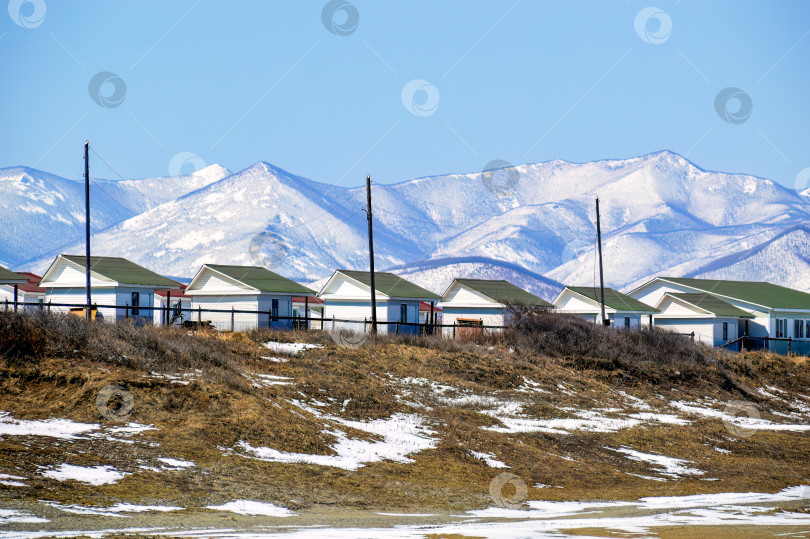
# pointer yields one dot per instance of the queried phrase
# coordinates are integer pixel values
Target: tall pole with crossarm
(371, 258)
(87, 227)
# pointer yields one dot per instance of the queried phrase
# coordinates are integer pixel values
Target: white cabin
(30, 296)
(121, 289)
(10, 284)
(776, 312)
(478, 303)
(347, 296)
(622, 311)
(218, 291)
(708, 319)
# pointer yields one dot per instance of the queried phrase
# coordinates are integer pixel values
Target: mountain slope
(43, 212)
(660, 214)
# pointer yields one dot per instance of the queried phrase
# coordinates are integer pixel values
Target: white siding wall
(7, 298)
(77, 296)
(489, 317)
(708, 331)
(570, 302)
(222, 321)
(354, 310)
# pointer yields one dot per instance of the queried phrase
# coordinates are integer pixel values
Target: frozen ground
(757, 513)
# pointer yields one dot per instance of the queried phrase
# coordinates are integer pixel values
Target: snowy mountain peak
(660, 214)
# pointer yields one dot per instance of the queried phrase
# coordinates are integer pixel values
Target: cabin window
(274, 309)
(626, 321)
(136, 302)
(798, 329)
(781, 328)
(468, 322)
(725, 331)
(403, 312)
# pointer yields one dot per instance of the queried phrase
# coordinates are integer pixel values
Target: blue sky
(527, 81)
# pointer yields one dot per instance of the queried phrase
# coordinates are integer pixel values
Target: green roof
(613, 299)
(9, 276)
(713, 304)
(504, 292)
(391, 285)
(123, 271)
(758, 293)
(262, 279)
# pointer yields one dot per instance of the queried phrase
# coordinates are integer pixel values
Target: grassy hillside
(567, 406)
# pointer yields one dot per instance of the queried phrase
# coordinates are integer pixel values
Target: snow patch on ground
(663, 465)
(248, 507)
(292, 348)
(490, 459)
(10, 516)
(54, 428)
(742, 421)
(266, 380)
(401, 434)
(92, 475)
(177, 463)
(113, 511)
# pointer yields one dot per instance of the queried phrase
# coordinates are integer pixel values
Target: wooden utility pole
(601, 273)
(371, 258)
(87, 227)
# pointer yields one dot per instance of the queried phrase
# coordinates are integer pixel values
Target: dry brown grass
(58, 365)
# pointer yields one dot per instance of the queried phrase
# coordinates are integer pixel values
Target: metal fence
(229, 319)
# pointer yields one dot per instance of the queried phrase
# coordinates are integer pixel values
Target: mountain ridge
(661, 213)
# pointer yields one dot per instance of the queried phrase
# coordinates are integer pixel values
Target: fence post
(16, 291)
(126, 310)
(396, 329)
(454, 329)
(49, 306)
(790, 342)
(231, 318)
(5, 301)
(199, 316)
(322, 313)
(693, 336)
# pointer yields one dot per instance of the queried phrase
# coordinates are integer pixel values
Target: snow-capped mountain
(531, 224)
(41, 212)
